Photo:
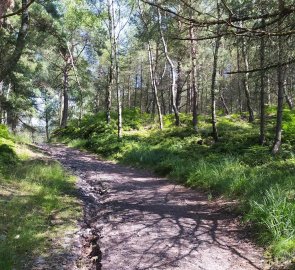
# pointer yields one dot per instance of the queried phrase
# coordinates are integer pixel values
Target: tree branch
(21, 10)
(265, 68)
(203, 23)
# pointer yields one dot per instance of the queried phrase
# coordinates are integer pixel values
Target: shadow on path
(147, 222)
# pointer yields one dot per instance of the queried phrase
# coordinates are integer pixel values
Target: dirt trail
(139, 221)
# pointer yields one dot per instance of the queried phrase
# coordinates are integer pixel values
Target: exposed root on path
(136, 221)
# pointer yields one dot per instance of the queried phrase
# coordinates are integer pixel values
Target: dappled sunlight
(150, 223)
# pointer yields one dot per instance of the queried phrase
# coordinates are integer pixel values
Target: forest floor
(135, 220)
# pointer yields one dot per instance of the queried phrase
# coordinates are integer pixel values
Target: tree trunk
(119, 104)
(213, 82)
(135, 92)
(193, 79)
(262, 90)
(226, 110)
(246, 83)
(288, 99)
(65, 110)
(129, 92)
(147, 100)
(268, 91)
(141, 87)
(70, 50)
(109, 95)
(188, 96)
(179, 85)
(114, 49)
(47, 117)
(111, 69)
(10, 63)
(152, 75)
(173, 72)
(154, 85)
(280, 73)
(239, 83)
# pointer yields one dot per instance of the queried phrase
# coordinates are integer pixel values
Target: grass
(236, 167)
(33, 191)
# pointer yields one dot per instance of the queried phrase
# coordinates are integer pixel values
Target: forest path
(141, 221)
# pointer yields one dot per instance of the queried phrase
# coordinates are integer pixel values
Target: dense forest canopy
(63, 59)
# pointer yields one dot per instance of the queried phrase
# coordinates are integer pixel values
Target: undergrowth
(236, 166)
(33, 190)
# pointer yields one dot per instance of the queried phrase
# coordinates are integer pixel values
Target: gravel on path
(135, 220)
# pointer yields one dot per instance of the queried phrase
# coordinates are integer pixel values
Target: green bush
(7, 155)
(32, 190)
(4, 133)
(236, 166)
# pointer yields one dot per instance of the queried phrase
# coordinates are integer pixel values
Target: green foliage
(32, 191)
(4, 133)
(236, 166)
(275, 214)
(7, 156)
(289, 126)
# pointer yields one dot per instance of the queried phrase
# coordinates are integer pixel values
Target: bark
(135, 91)
(173, 72)
(114, 49)
(109, 94)
(179, 85)
(239, 82)
(188, 96)
(152, 74)
(213, 83)
(129, 92)
(111, 69)
(154, 85)
(179, 72)
(65, 108)
(119, 102)
(163, 101)
(268, 91)
(141, 86)
(194, 90)
(226, 110)
(147, 100)
(280, 73)
(47, 116)
(202, 103)
(262, 90)
(246, 83)
(97, 102)
(70, 50)
(287, 97)
(10, 62)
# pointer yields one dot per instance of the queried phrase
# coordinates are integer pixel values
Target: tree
(8, 63)
(172, 71)
(213, 82)
(280, 74)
